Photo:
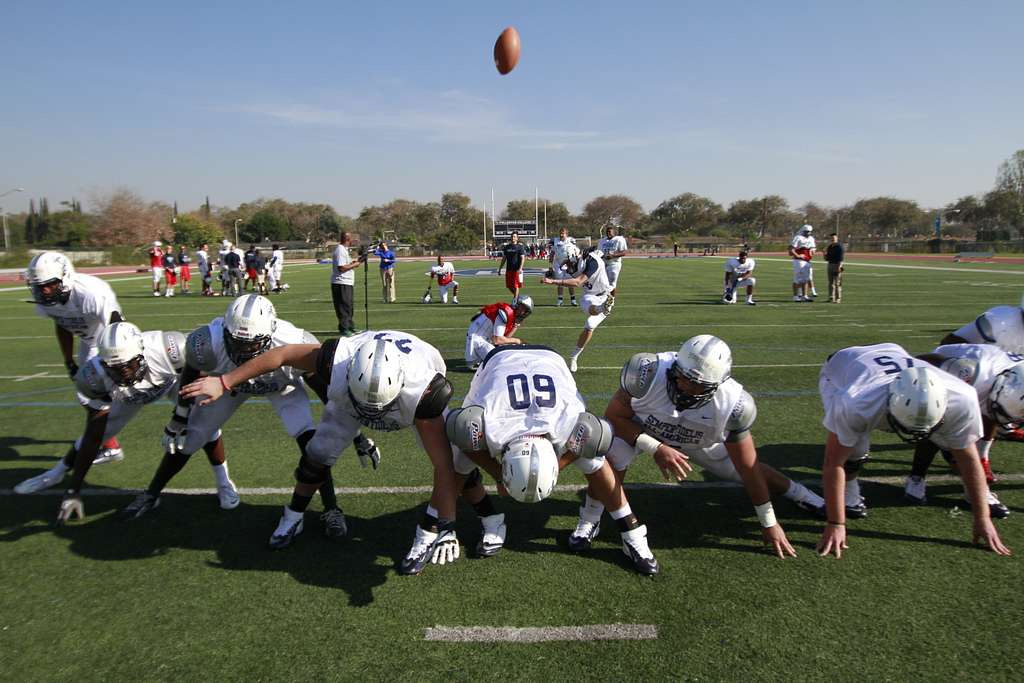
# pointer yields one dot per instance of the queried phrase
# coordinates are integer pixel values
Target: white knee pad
(716, 460)
(589, 465)
(621, 455)
(461, 462)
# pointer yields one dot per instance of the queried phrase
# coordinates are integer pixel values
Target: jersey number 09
(519, 391)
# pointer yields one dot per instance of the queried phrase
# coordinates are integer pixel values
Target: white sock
(852, 492)
(59, 469)
(591, 510)
(623, 511)
(290, 516)
(220, 473)
(800, 493)
(577, 352)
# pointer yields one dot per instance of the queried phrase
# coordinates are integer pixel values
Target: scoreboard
(504, 229)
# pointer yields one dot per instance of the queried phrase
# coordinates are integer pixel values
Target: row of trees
(122, 217)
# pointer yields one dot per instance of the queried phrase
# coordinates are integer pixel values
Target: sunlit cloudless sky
(355, 104)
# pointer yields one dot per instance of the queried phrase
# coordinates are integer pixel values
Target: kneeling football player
(382, 380)
(493, 326)
(131, 369)
(683, 406)
(522, 421)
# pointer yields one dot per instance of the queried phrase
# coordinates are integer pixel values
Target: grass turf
(192, 592)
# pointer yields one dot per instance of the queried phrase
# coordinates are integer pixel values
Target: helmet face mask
(249, 325)
(910, 435)
(683, 400)
(702, 364)
(49, 278)
(369, 411)
(917, 403)
(128, 373)
(242, 350)
(50, 293)
(122, 354)
(1006, 399)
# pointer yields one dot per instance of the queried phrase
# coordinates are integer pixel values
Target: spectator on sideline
(343, 284)
(233, 261)
(186, 272)
(205, 268)
(834, 255)
(387, 271)
(275, 270)
(675, 249)
(156, 265)
(513, 256)
(170, 271)
(259, 264)
(250, 266)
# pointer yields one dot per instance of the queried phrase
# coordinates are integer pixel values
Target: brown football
(506, 50)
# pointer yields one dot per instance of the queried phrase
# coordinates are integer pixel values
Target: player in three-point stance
(522, 421)
(386, 381)
(130, 370)
(684, 406)
(864, 388)
(494, 326)
(739, 272)
(613, 247)
(563, 253)
(445, 274)
(998, 380)
(589, 272)
(80, 306)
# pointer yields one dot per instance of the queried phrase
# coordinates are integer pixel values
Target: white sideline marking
(541, 634)
(38, 375)
(23, 288)
(561, 488)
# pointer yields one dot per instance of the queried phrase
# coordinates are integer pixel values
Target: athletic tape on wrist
(765, 514)
(645, 443)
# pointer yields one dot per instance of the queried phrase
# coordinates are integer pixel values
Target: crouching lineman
(131, 369)
(597, 302)
(494, 326)
(248, 328)
(80, 306)
(522, 421)
(999, 325)
(998, 381)
(864, 388)
(685, 406)
(739, 272)
(383, 380)
(445, 274)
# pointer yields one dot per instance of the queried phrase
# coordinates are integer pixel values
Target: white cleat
(455, 299)
(47, 479)
(634, 546)
(493, 539)
(108, 455)
(286, 531)
(750, 301)
(156, 293)
(798, 298)
(914, 491)
(228, 497)
(559, 303)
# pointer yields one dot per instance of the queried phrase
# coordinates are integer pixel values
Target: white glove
(176, 431)
(71, 506)
(367, 451)
(446, 547)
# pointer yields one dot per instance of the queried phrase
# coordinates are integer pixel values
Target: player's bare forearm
(833, 479)
(483, 460)
(620, 414)
(974, 480)
(439, 450)
(299, 356)
(66, 342)
(744, 458)
(90, 446)
(501, 341)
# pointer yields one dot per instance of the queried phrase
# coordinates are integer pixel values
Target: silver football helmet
(122, 353)
(705, 361)
(49, 276)
(249, 325)
(1006, 398)
(376, 375)
(917, 402)
(529, 468)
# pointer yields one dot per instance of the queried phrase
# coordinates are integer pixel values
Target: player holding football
(494, 326)
(739, 272)
(613, 247)
(131, 369)
(998, 380)
(802, 249)
(80, 306)
(445, 274)
(563, 252)
(589, 273)
(386, 381)
(684, 406)
(864, 388)
(249, 327)
(523, 421)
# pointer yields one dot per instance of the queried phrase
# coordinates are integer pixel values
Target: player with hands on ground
(682, 407)
(131, 369)
(386, 381)
(522, 422)
(999, 325)
(444, 271)
(881, 386)
(739, 272)
(494, 326)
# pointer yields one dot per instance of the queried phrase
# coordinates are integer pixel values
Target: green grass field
(192, 592)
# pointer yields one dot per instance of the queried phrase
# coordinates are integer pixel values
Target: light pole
(7, 238)
(938, 221)
(237, 221)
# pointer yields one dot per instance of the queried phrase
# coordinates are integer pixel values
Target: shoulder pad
(199, 350)
(742, 417)
(325, 359)
(591, 437)
(89, 381)
(965, 369)
(638, 374)
(435, 399)
(309, 338)
(465, 429)
(174, 345)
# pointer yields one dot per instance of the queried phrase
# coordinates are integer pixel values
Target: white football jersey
(608, 245)
(202, 259)
(165, 356)
(563, 249)
(989, 362)
(802, 242)
(421, 363)
(277, 258)
(740, 270)
(597, 278)
(88, 309)
(854, 385)
(205, 351)
(701, 427)
(444, 272)
(525, 390)
(1000, 325)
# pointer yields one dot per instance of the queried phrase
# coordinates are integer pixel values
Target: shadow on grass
(10, 451)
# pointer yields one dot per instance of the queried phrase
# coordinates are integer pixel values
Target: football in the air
(506, 50)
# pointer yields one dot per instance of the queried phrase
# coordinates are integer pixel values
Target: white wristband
(765, 514)
(645, 443)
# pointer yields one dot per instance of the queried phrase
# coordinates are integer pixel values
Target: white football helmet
(524, 308)
(122, 353)
(49, 277)
(704, 360)
(807, 229)
(226, 244)
(157, 243)
(249, 325)
(529, 468)
(1006, 398)
(376, 375)
(917, 402)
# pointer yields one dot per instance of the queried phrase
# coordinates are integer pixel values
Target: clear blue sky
(358, 103)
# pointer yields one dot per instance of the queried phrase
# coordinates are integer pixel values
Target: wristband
(223, 384)
(831, 523)
(182, 412)
(645, 443)
(765, 515)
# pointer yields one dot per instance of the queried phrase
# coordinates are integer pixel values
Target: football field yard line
(962, 271)
(540, 634)
(560, 488)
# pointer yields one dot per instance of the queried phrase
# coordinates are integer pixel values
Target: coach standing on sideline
(387, 271)
(834, 255)
(513, 256)
(343, 284)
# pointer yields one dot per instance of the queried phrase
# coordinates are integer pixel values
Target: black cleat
(143, 503)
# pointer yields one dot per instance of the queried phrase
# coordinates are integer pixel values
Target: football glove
(367, 451)
(72, 367)
(446, 545)
(176, 431)
(70, 506)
